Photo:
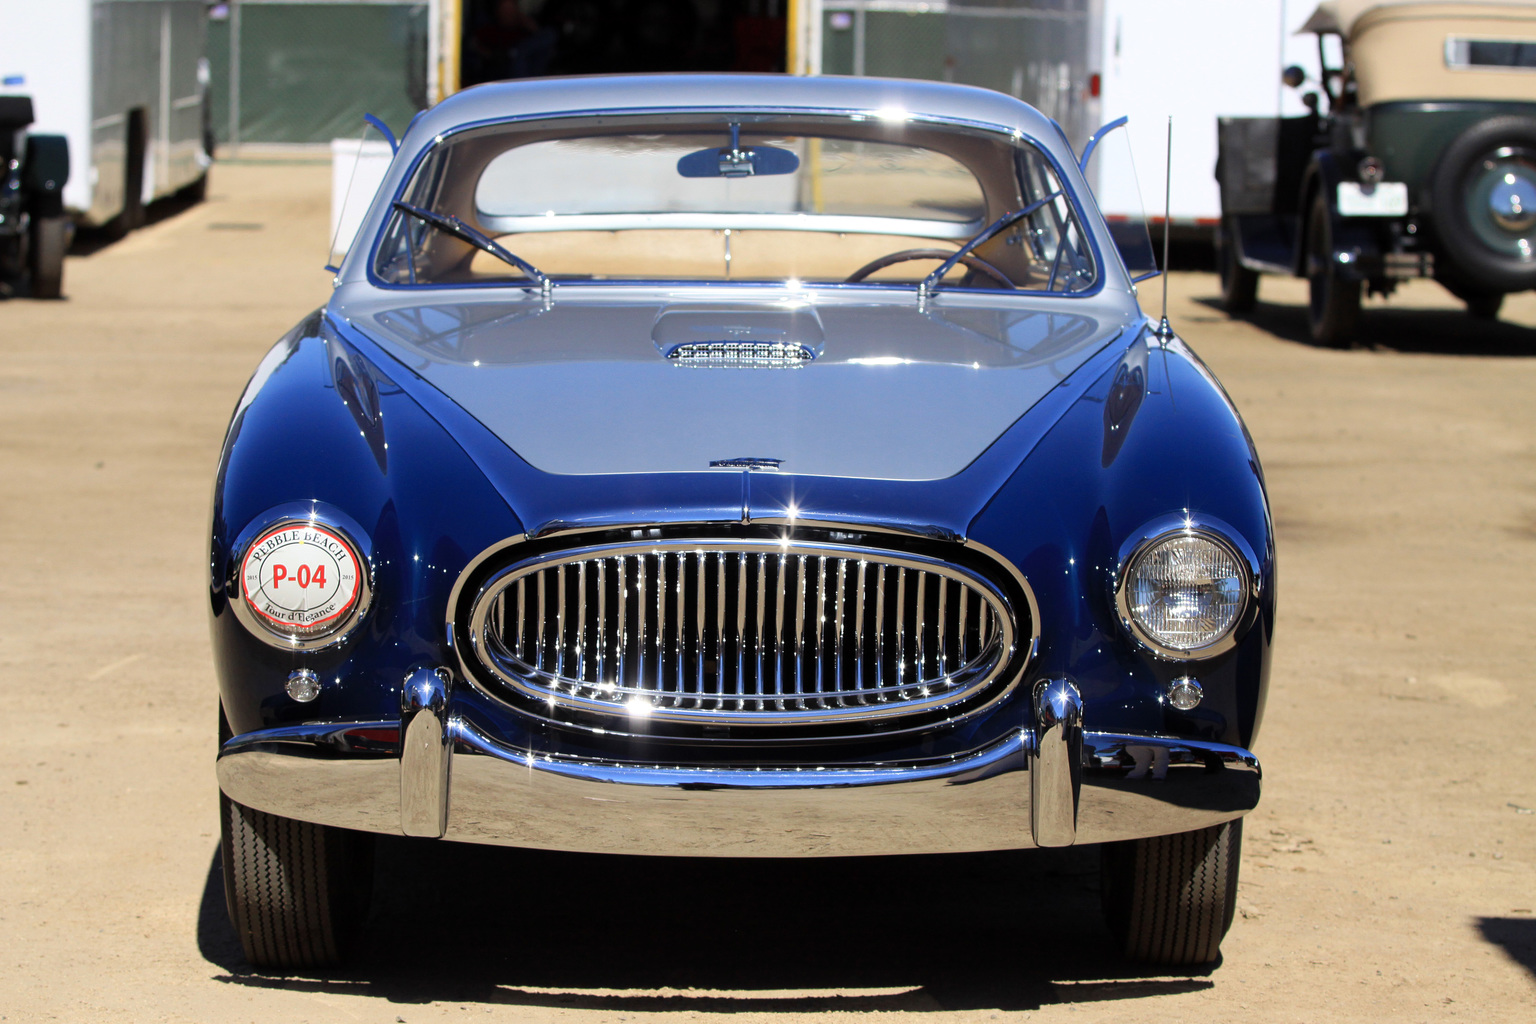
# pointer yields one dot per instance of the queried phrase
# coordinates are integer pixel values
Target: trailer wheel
(50, 239)
(1239, 285)
(1334, 305)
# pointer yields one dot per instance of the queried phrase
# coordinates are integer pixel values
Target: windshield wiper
(458, 229)
(930, 284)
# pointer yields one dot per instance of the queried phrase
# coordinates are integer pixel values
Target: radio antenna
(1164, 331)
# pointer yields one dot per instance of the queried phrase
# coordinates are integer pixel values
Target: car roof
(588, 93)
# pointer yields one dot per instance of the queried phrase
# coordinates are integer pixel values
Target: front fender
(1067, 516)
(323, 429)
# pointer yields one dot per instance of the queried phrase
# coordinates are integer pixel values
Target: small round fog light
(303, 685)
(1185, 693)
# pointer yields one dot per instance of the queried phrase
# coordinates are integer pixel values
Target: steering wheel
(974, 264)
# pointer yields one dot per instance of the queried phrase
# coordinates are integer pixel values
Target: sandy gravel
(1389, 874)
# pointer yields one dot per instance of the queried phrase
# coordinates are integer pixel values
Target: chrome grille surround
(725, 631)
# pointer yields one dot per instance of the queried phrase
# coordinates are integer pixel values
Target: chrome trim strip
(977, 800)
(1056, 763)
(844, 224)
(425, 753)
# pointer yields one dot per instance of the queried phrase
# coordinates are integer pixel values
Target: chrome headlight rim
(1203, 528)
(302, 515)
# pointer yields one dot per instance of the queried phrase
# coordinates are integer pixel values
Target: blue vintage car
(737, 466)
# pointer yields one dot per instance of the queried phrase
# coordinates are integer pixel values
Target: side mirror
(1293, 76)
(1309, 100)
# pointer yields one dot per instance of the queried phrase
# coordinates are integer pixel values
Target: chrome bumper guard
(434, 774)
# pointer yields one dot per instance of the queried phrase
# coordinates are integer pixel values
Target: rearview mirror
(735, 162)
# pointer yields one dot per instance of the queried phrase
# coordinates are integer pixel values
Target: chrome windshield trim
(850, 224)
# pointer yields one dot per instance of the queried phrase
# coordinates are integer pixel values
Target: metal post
(234, 76)
(858, 38)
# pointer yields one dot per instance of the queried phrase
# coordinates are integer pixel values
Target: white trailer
(126, 82)
(1194, 61)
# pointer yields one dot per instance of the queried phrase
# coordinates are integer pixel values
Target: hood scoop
(752, 338)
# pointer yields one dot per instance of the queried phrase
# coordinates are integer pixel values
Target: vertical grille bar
(602, 619)
(762, 604)
(901, 626)
(858, 630)
(918, 625)
(778, 632)
(800, 630)
(698, 626)
(941, 635)
(880, 633)
(720, 658)
(741, 626)
(581, 621)
(621, 636)
(661, 623)
(965, 602)
(539, 633)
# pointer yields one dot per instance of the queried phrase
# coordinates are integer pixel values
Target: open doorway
(528, 38)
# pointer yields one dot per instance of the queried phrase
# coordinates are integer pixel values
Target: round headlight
(301, 583)
(1184, 592)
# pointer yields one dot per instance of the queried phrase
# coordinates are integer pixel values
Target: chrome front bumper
(434, 774)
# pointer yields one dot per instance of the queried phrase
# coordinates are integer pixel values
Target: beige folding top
(1398, 48)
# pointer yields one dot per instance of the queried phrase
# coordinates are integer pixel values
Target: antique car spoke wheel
(1239, 285)
(1170, 899)
(297, 893)
(1334, 305)
(1484, 197)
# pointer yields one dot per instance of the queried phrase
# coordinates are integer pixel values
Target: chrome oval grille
(742, 632)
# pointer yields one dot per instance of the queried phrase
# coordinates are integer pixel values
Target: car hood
(851, 388)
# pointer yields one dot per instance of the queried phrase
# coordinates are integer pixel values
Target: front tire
(1333, 308)
(297, 892)
(1170, 899)
(50, 240)
(1239, 285)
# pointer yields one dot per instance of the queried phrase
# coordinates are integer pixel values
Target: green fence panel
(308, 72)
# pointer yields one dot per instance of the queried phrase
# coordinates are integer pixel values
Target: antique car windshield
(734, 197)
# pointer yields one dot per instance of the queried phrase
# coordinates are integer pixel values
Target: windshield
(733, 197)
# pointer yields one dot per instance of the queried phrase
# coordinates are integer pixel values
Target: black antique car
(34, 231)
(1422, 165)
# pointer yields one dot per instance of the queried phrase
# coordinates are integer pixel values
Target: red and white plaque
(301, 579)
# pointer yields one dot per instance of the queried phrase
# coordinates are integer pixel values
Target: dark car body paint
(344, 423)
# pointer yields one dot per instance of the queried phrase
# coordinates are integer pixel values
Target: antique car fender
(1350, 236)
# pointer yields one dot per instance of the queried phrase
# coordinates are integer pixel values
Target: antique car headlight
(1183, 592)
(301, 584)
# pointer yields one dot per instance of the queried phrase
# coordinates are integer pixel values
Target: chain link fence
(1035, 50)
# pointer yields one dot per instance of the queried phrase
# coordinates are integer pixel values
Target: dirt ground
(1388, 874)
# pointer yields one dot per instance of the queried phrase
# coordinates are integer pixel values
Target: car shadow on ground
(1515, 935)
(461, 923)
(89, 241)
(1427, 331)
